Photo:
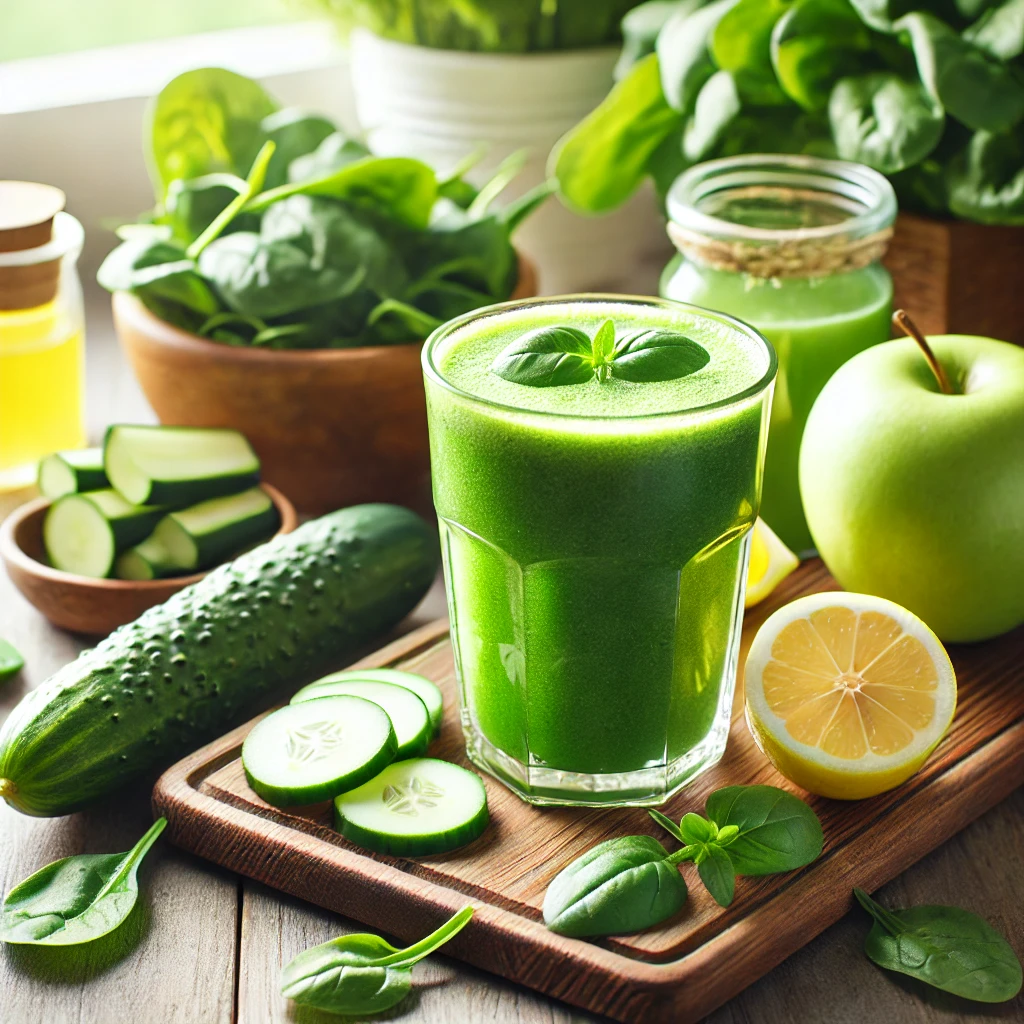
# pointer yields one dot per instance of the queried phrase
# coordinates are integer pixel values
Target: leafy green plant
(557, 356)
(76, 899)
(632, 883)
(511, 26)
(945, 947)
(929, 93)
(360, 974)
(274, 229)
(11, 662)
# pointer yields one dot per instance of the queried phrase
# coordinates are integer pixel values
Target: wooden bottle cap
(27, 210)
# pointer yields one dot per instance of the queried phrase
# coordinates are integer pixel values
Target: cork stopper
(27, 210)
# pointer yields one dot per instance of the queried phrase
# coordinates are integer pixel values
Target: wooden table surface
(209, 945)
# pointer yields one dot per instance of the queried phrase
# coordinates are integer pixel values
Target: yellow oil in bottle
(41, 384)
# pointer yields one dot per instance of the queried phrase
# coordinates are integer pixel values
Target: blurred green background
(36, 28)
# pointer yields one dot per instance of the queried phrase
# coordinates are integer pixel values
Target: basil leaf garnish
(776, 830)
(558, 356)
(76, 899)
(717, 873)
(548, 357)
(650, 355)
(945, 947)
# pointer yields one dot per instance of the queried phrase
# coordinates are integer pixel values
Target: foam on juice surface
(738, 360)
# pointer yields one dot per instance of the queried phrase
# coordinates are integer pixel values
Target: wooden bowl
(80, 603)
(332, 427)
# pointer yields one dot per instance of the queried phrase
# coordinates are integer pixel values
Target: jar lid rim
(68, 237)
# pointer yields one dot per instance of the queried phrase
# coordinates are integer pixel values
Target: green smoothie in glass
(595, 538)
(791, 245)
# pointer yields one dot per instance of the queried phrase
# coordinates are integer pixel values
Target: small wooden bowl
(332, 427)
(80, 603)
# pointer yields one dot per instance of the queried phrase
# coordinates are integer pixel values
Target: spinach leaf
(547, 357)
(683, 56)
(295, 134)
(976, 89)
(881, 120)
(11, 662)
(717, 108)
(309, 251)
(620, 886)
(640, 29)
(986, 179)
(477, 253)
(399, 187)
(813, 45)
(76, 899)
(1000, 30)
(335, 152)
(361, 974)
(655, 355)
(601, 162)
(192, 205)
(741, 43)
(882, 14)
(776, 830)
(204, 121)
(716, 871)
(946, 947)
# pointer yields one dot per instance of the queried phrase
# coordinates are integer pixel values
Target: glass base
(16, 478)
(647, 787)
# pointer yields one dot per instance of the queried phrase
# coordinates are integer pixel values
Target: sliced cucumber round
(428, 692)
(407, 712)
(308, 752)
(414, 808)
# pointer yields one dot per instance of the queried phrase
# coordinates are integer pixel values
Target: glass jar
(595, 541)
(42, 336)
(791, 245)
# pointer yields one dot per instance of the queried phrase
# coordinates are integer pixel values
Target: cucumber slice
(72, 472)
(178, 466)
(83, 533)
(428, 692)
(308, 752)
(407, 712)
(148, 560)
(212, 531)
(413, 808)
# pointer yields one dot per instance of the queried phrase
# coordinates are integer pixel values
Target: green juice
(595, 541)
(816, 325)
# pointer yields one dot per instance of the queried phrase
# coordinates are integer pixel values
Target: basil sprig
(559, 355)
(360, 974)
(76, 899)
(628, 884)
(945, 947)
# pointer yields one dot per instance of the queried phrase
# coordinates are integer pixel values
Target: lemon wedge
(770, 563)
(847, 694)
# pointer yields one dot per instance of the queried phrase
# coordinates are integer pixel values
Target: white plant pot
(440, 105)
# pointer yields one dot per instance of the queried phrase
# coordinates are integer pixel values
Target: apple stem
(905, 324)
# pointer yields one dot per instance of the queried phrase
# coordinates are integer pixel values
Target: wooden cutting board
(675, 973)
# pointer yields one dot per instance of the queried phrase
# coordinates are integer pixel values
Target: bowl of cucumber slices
(123, 527)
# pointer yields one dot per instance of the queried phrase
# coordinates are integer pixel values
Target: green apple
(918, 496)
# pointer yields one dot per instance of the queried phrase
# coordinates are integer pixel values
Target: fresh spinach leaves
(946, 947)
(557, 356)
(272, 228)
(76, 899)
(631, 883)
(360, 974)
(890, 83)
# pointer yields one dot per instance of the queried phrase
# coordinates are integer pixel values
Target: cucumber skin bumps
(188, 670)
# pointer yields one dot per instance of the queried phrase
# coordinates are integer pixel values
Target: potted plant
(933, 98)
(285, 279)
(441, 81)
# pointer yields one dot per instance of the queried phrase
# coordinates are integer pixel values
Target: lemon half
(770, 563)
(847, 694)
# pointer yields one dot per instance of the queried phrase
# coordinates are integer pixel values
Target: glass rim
(842, 178)
(433, 373)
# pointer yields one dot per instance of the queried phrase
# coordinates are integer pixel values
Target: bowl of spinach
(286, 277)
(930, 94)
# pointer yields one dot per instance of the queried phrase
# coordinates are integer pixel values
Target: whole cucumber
(187, 670)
